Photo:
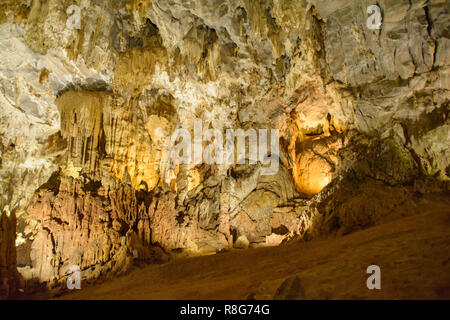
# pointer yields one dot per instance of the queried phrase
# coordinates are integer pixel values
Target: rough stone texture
(10, 279)
(86, 119)
(407, 250)
(82, 224)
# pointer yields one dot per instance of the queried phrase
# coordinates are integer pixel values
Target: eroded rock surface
(87, 115)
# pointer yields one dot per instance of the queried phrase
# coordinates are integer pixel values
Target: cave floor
(413, 254)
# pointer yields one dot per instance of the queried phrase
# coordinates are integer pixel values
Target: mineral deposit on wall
(87, 116)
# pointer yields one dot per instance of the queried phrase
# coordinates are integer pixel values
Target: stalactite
(335, 90)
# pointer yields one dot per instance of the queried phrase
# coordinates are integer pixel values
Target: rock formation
(88, 111)
(10, 279)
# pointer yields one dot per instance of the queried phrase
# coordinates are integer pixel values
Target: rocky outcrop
(10, 279)
(84, 225)
(87, 116)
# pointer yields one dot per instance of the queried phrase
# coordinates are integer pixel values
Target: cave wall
(87, 115)
(10, 279)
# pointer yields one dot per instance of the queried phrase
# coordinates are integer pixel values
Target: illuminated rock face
(88, 226)
(87, 116)
(106, 137)
(9, 277)
(315, 163)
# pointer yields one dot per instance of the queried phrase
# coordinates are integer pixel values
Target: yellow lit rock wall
(105, 136)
